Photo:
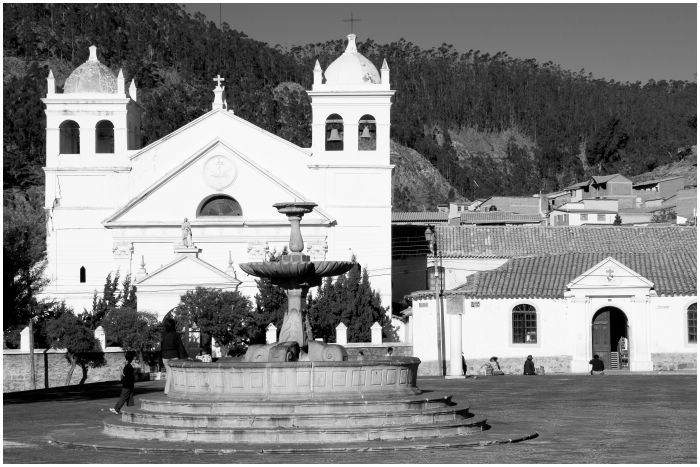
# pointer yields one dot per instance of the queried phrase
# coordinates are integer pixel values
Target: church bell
(334, 136)
(365, 132)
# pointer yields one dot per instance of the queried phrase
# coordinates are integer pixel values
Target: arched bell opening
(69, 139)
(334, 133)
(367, 136)
(104, 137)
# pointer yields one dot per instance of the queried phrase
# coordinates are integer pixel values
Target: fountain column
(292, 327)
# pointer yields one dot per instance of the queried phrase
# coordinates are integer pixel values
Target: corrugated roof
(598, 179)
(517, 204)
(654, 181)
(491, 217)
(547, 276)
(513, 241)
(419, 216)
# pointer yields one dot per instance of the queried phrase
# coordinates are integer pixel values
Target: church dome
(91, 77)
(352, 67)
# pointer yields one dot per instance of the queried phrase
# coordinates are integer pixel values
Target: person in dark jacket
(598, 365)
(529, 367)
(171, 347)
(127, 395)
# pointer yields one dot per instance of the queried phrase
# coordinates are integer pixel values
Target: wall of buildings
(657, 332)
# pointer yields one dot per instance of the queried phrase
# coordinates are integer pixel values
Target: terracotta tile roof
(514, 241)
(492, 217)
(547, 276)
(419, 216)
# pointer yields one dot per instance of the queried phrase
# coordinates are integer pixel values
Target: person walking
(127, 395)
(598, 367)
(171, 348)
(529, 367)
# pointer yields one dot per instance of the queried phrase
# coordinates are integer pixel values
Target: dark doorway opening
(610, 338)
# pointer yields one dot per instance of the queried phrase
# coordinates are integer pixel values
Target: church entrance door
(610, 338)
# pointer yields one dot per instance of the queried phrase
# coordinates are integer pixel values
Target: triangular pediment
(188, 270)
(610, 274)
(215, 169)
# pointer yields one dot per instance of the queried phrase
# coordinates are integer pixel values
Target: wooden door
(601, 336)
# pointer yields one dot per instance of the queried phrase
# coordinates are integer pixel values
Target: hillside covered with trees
(574, 122)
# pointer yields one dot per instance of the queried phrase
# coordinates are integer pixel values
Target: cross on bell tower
(352, 22)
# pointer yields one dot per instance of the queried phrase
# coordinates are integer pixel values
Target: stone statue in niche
(186, 234)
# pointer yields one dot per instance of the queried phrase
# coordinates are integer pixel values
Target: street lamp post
(431, 237)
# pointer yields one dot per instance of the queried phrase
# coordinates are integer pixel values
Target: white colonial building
(113, 206)
(560, 294)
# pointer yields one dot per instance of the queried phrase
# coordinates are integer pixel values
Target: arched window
(524, 324)
(367, 139)
(104, 137)
(693, 323)
(334, 133)
(69, 139)
(220, 205)
(82, 274)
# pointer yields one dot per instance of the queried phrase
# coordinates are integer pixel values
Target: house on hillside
(615, 186)
(561, 294)
(660, 187)
(585, 212)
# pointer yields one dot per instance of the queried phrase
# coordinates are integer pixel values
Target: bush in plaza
(222, 315)
(67, 331)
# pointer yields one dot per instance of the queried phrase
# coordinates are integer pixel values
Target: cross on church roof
(352, 20)
(218, 80)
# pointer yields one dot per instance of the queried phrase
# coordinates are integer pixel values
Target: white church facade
(115, 207)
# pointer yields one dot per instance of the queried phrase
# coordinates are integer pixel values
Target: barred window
(693, 323)
(524, 324)
(220, 205)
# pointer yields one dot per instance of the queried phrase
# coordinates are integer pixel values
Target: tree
(223, 315)
(112, 298)
(132, 330)
(618, 220)
(270, 307)
(352, 301)
(24, 251)
(68, 332)
(664, 216)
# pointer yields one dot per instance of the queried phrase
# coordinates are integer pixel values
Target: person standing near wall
(171, 347)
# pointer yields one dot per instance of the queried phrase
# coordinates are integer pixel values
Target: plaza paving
(616, 418)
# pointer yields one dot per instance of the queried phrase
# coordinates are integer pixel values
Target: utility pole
(431, 236)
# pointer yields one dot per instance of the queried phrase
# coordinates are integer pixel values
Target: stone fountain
(297, 393)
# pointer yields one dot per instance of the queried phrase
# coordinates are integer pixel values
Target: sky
(624, 42)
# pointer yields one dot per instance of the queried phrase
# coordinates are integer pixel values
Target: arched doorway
(610, 337)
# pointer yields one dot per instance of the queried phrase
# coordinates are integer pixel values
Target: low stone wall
(514, 366)
(674, 361)
(51, 368)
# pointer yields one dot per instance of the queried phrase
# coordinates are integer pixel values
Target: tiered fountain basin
(300, 380)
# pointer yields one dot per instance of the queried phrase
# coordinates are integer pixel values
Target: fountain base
(234, 380)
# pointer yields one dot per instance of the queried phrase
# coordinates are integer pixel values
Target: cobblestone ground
(580, 419)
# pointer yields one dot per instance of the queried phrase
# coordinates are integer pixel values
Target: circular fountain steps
(310, 422)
